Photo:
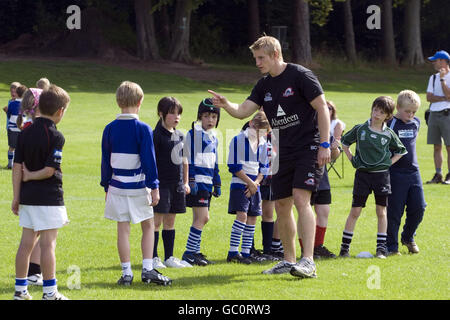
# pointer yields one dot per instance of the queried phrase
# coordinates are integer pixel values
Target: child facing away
(248, 162)
(204, 179)
(372, 159)
(38, 194)
(128, 171)
(29, 108)
(406, 182)
(173, 179)
(12, 113)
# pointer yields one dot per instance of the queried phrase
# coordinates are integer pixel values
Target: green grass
(89, 241)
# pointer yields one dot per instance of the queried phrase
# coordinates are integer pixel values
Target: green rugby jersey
(373, 149)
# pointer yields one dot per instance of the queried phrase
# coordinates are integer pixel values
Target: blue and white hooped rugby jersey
(12, 114)
(201, 153)
(242, 157)
(128, 157)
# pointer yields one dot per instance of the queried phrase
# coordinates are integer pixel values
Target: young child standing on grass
(12, 113)
(128, 171)
(406, 182)
(204, 180)
(173, 179)
(38, 194)
(248, 162)
(372, 159)
(12, 90)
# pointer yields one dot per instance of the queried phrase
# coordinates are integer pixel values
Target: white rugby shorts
(40, 218)
(128, 208)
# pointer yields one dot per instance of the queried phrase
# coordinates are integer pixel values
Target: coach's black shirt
(40, 145)
(168, 152)
(286, 101)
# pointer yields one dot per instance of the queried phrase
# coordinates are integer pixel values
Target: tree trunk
(350, 48)
(147, 46)
(387, 28)
(412, 40)
(301, 43)
(253, 20)
(179, 48)
(165, 27)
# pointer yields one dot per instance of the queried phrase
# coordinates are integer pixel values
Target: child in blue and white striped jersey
(249, 163)
(200, 150)
(128, 172)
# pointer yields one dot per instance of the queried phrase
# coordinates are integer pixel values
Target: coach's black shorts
(172, 199)
(321, 197)
(201, 199)
(301, 173)
(366, 182)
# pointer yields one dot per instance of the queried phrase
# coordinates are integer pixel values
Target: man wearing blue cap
(438, 94)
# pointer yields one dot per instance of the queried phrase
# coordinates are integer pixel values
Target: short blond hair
(407, 98)
(14, 85)
(129, 94)
(43, 83)
(269, 45)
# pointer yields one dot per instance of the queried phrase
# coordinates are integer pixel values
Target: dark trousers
(407, 192)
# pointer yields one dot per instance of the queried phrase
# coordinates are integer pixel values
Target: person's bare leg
(306, 223)
(27, 242)
(286, 227)
(48, 259)
(123, 241)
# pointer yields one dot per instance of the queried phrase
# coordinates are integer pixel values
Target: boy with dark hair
(372, 159)
(38, 193)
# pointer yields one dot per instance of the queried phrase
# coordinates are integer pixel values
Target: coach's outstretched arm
(240, 111)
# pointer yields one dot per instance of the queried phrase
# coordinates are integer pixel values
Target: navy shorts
(12, 138)
(172, 199)
(239, 202)
(321, 197)
(201, 199)
(266, 192)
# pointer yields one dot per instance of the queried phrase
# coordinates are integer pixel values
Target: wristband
(324, 145)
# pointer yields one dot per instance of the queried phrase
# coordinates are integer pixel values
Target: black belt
(445, 111)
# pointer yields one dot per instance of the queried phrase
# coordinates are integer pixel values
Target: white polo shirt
(441, 105)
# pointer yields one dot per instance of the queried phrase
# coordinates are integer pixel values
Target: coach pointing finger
(295, 105)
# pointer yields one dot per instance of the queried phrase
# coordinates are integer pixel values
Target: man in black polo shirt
(295, 105)
(38, 194)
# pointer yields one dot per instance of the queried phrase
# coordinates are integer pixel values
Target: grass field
(88, 244)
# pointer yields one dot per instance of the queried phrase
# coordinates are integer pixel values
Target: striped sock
(235, 239)
(381, 241)
(21, 284)
(247, 239)
(49, 286)
(346, 240)
(276, 245)
(193, 241)
(10, 158)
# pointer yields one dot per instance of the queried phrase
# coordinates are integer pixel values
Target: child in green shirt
(374, 144)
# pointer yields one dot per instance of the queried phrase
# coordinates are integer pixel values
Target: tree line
(181, 30)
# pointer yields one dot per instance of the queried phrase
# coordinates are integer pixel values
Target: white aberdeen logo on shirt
(280, 112)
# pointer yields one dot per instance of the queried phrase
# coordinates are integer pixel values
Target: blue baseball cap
(440, 55)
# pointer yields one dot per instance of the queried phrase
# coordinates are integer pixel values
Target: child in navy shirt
(128, 172)
(173, 179)
(248, 162)
(12, 113)
(406, 182)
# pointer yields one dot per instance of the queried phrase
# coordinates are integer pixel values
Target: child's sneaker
(173, 262)
(194, 259)
(279, 268)
(157, 263)
(305, 268)
(412, 246)
(125, 280)
(381, 254)
(36, 279)
(54, 296)
(344, 253)
(203, 257)
(155, 276)
(322, 252)
(239, 258)
(22, 295)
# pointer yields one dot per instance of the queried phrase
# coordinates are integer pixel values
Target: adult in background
(295, 105)
(438, 93)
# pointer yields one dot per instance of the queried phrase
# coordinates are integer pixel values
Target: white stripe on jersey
(125, 161)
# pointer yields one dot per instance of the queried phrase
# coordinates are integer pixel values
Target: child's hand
(155, 197)
(5, 108)
(217, 192)
(251, 189)
(187, 189)
(15, 206)
(193, 186)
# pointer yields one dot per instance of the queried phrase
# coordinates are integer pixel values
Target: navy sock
(168, 237)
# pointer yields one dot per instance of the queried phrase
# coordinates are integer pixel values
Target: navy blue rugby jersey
(407, 132)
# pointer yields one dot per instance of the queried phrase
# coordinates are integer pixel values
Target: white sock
(147, 264)
(126, 269)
